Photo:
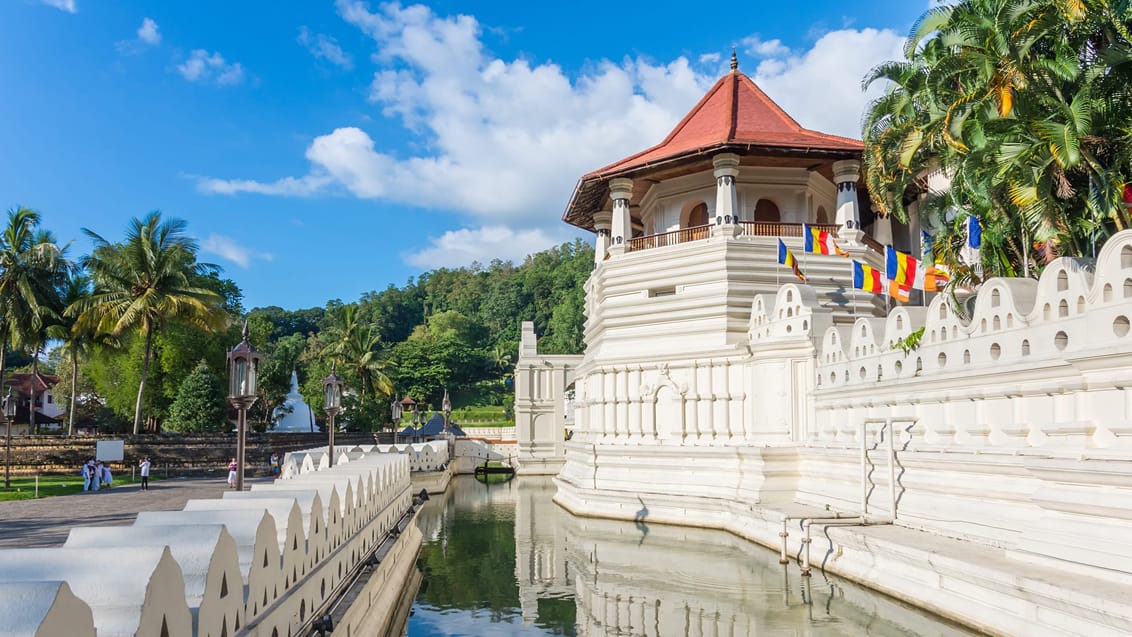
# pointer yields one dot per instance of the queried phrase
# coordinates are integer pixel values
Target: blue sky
(322, 149)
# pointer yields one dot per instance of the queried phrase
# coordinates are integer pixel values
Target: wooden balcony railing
(750, 228)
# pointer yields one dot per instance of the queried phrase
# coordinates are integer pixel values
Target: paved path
(46, 522)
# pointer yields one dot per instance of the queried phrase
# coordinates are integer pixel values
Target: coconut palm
(78, 340)
(142, 282)
(356, 347)
(30, 262)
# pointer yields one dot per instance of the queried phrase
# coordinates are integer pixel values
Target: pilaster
(621, 192)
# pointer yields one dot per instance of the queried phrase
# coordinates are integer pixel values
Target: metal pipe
(782, 559)
(864, 470)
(891, 466)
(806, 539)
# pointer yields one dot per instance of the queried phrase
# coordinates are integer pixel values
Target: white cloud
(709, 58)
(203, 66)
(505, 140)
(148, 32)
(461, 247)
(227, 248)
(821, 87)
(62, 5)
(326, 48)
(755, 46)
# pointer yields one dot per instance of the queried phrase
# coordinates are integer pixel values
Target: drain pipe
(785, 533)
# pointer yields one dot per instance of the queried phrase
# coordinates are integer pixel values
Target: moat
(581, 576)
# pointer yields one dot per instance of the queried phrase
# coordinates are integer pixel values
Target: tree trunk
(74, 393)
(31, 391)
(144, 373)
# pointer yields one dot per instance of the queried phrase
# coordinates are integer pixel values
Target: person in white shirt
(86, 473)
(107, 479)
(143, 467)
(96, 476)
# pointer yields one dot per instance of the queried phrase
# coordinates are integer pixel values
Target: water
(505, 560)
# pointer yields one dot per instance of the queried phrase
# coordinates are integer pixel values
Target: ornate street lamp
(446, 407)
(395, 409)
(332, 388)
(243, 367)
(9, 416)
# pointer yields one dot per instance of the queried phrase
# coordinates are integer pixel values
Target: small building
(48, 412)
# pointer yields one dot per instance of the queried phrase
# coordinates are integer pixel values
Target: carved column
(845, 176)
(603, 221)
(620, 191)
(726, 196)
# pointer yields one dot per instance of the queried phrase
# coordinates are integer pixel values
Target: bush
(199, 406)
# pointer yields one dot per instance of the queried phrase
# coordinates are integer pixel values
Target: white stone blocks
(43, 609)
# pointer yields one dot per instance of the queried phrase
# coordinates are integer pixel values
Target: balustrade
(696, 233)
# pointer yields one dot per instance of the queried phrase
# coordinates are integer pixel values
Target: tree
(77, 340)
(30, 263)
(199, 406)
(143, 282)
(1023, 103)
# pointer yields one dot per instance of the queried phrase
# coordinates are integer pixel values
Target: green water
(503, 559)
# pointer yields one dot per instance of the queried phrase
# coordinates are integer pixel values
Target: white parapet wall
(264, 562)
(544, 410)
(1009, 422)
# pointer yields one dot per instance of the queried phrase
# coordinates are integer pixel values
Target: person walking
(232, 469)
(96, 475)
(107, 478)
(143, 469)
(86, 471)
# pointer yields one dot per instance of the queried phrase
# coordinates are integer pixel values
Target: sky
(322, 149)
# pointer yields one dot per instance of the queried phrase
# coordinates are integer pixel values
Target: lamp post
(332, 386)
(243, 367)
(395, 410)
(9, 416)
(446, 407)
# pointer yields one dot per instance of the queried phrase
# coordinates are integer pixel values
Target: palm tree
(142, 282)
(78, 339)
(1024, 104)
(356, 347)
(30, 263)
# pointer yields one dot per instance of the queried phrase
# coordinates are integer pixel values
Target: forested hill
(448, 328)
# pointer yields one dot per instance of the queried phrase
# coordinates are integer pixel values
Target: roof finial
(734, 61)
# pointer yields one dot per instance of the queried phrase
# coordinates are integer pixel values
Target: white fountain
(296, 414)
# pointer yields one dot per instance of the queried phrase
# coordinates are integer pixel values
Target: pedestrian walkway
(46, 522)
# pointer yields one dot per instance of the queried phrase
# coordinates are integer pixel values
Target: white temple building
(985, 474)
(294, 416)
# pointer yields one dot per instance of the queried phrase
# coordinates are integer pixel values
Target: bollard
(37, 486)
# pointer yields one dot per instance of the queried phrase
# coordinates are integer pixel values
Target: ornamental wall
(264, 562)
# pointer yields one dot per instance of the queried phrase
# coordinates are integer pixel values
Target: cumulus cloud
(505, 140)
(203, 66)
(227, 248)
(461, 247)
(755, 46)
(326, 48)
(821, 87)
(62, 5)
(148, 32)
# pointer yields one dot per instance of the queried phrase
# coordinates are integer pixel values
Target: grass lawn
(23, 487)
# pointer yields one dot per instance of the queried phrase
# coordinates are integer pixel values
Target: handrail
(750, 228)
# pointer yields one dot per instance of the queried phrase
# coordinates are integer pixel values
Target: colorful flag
(819, 241)
(898, 292)
(927, 246)
(974, 233)
(903, 268)
(936, 277)
(867, 278)
(786, 258)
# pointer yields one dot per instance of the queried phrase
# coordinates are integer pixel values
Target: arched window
(822, 215)
(766, 210)
(698, 216)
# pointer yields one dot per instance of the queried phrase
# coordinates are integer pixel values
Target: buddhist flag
(936, 277)
(974, 233)
(867, 278)
(819, 241)
(898, 292)
(786, 258)
(903, 268)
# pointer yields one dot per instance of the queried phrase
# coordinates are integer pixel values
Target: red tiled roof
(21, 382)
(735, 111)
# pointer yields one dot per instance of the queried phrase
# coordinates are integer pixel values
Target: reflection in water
(505, 560)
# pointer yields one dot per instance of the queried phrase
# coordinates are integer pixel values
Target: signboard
(110, 450)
